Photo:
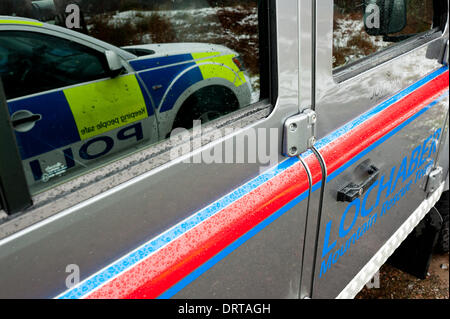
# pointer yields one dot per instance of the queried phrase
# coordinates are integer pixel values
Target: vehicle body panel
(242, 230)
(403, 104)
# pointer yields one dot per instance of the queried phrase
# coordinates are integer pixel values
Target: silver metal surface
(379, 258)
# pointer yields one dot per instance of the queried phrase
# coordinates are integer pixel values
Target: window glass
(134, 71)
(364, 27)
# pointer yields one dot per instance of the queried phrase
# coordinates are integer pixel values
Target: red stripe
(156, 274)
(162, 270)
(342, 150)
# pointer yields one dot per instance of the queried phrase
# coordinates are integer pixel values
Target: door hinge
(434, 180)
(299, 133)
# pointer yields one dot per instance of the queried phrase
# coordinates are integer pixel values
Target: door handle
(23, 121)
(353, 191)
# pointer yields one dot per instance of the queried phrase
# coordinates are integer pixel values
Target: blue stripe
(182, 84)
(144, 64)
(56, 129)
(158, 81)
(162, 240)
(235, 245)
(148, 103)
(384, 138)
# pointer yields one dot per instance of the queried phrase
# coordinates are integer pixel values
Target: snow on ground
(351, 31)
(174, 15)
(354, 43)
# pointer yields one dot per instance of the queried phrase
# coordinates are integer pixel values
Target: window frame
(267, 28)
(14, 193)
(353, 69)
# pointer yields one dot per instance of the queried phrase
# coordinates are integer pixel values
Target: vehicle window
(190, 61)
(365, 27)
(131, 24)
(33, 62)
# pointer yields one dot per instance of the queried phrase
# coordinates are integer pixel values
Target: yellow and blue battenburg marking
(106, 105)
(190, 68)
(22, 22)
(82, 112)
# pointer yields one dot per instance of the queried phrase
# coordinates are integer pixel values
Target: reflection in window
(351, 42)
(33, 63)
(232, 23)
(191, 60)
